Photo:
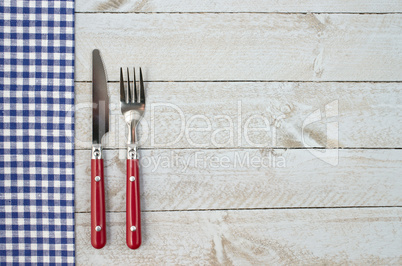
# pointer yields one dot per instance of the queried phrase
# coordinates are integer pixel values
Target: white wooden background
(280, 59)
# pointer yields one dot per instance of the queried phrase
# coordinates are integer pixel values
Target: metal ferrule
(96, 151)
(132, 152)
(132, 132)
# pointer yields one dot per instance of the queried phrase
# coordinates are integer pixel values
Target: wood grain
(231, 179)
(207, 198)
(281, 237)
(269, 47)
(369, 115)
(360, 6)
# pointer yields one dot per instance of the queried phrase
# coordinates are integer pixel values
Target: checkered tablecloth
(37, 131)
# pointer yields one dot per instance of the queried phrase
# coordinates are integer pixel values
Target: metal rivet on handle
(132, 178)
(133, 228)
(97, 178)
(98, 228)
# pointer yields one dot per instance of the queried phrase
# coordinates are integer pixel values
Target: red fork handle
(98, 213)
(133, 207)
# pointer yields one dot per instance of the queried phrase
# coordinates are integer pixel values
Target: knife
(100, 126)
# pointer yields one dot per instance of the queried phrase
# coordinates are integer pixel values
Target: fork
(132, 104)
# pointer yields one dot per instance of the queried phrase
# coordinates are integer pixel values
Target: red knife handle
(98, 212)
(133, 207)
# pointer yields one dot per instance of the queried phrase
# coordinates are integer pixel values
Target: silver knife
(100, 126)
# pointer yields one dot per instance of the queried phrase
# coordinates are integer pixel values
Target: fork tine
(135, 99)
(142, 92)
(129, 95)
(122, 90)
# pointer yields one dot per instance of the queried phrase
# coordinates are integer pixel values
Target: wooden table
(272, 133)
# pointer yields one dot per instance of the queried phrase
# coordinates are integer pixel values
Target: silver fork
(132, 104)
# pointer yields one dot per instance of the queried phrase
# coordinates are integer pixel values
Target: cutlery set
(132, 104)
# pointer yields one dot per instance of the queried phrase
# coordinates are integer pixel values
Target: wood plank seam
(260, 209)
(280, 13)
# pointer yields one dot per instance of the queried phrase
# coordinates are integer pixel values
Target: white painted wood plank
(269, 47)
(260, 237)
(230, 179)
(372, 6)
(369, 115)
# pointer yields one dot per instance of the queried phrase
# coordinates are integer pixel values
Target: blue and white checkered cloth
(37, 132)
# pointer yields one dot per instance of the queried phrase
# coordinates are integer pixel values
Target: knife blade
(100, 99)
(100, 126)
